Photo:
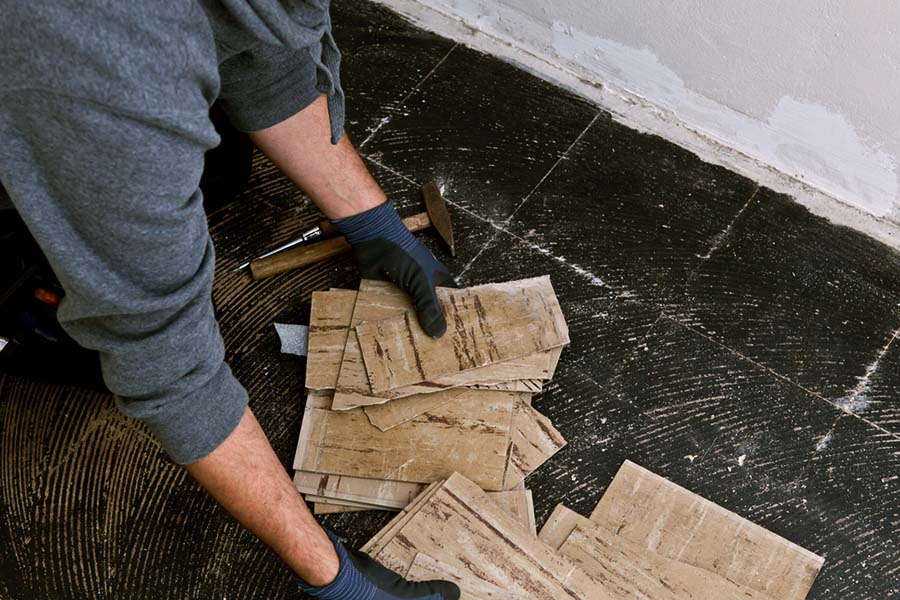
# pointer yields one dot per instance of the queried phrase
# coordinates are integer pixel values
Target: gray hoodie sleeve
(104, 123)
(266, 84)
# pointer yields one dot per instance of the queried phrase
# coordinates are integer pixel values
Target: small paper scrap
(293, 338)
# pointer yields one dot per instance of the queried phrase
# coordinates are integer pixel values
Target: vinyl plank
(632, 571)
(653, 513)
(486, 324)
(470, 435)
(460, 526)
(560, 524)
(378, 300)
(402, 410)
(534, 440)
(377, 543)
(425, 568)
(389, 494)
(329, 324)
(519, 504)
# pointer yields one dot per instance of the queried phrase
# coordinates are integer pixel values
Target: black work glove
(386, 250)
(361, 578)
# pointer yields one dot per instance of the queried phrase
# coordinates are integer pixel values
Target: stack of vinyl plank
(647, 538)
(390, 410)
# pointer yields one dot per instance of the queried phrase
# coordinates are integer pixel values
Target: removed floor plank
(396, 412)
(378, 300)
(470, 434)
(425, 568)
(486, 324)
(658, 515)
(457, 524)
(533, 441)
(329, 325)
(328, 508)
(377, 492)
(390, 414)
(631, 570)
(560, 524)
(519, 504)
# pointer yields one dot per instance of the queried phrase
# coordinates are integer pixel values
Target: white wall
(810, 88)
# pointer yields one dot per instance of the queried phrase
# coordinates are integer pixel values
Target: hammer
(435, 215)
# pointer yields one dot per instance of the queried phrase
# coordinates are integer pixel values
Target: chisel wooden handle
(302, 256)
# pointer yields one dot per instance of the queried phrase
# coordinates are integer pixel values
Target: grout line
(387, 118)
(719, 239)
(743, 356)
(591, 277)
(825, 439)
(863, 385)
(528, 195)
(562, 157)
(717, 242)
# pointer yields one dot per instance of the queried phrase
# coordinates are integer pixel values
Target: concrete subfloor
(722, 337)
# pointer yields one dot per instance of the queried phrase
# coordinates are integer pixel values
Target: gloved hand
(386, 250)
(361, 578)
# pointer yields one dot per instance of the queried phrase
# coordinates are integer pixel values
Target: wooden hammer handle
(302, 256)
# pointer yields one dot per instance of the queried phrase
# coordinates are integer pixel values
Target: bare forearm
(245, 476)
(332, 175)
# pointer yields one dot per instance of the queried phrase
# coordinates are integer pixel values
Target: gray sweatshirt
(104, 121)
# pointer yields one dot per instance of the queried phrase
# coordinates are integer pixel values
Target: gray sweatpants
(104, 121)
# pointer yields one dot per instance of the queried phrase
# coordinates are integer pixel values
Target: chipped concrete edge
(643, 115)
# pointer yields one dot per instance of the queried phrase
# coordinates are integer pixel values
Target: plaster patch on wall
(823, 148)
(636, 70)
(803, 140)
(724, 139)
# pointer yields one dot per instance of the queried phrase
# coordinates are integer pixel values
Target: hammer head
(438, 214)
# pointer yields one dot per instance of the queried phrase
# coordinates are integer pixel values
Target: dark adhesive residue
(722, 337)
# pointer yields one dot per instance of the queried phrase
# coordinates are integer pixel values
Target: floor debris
(444, 432)
(647, 538)
(360, 450)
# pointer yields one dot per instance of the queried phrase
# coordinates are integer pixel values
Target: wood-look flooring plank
(654, 513)
(329, 325)
(396, 412)
(519, 504)
(388, 494)
(378, 300)
(470, 435)
(325, 506)
(458, 525)
(377, 543)
(632, 571)
(533, 441)
(425, 568)
(561, 522)
(486, 324)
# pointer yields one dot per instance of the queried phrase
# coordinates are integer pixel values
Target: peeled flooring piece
(455, 523)
(486, 324)
(425, 568)
(494, 437)
(378, 300)
(654, 513)
(329, 325)
(651, 538)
